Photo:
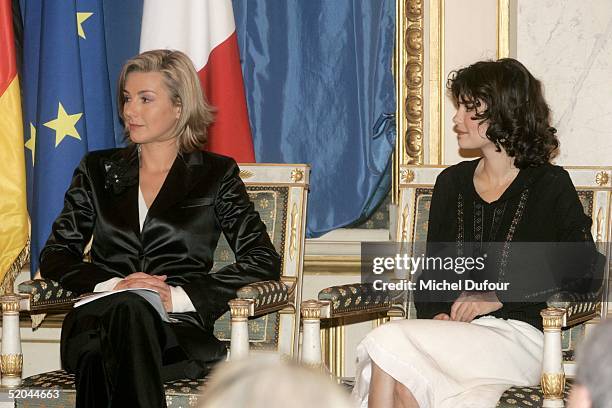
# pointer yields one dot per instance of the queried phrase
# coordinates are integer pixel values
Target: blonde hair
(183, 85)
(267, 383)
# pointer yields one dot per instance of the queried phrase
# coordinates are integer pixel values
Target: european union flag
(68, 109)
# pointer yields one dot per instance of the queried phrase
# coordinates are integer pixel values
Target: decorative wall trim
(332, 265)
(503, 28)
(409, 71)
(437, 82)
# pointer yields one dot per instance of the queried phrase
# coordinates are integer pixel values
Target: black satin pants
(121, 352)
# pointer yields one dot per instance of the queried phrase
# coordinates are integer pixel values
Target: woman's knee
(402, 394)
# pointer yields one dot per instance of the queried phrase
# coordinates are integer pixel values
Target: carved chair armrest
(45, 296)
(255, 299)
(578, 307)
(265, 297)
(354, 300)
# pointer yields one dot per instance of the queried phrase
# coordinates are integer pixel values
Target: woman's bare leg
(403, 397)
(386, 392)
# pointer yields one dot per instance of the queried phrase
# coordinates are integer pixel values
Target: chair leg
(11, 358)
(553, 377)
(311, 340)
(239, 341)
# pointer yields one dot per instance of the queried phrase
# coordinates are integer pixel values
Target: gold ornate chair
(265, 317)
(567, 311)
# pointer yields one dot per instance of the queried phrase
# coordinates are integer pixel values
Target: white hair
(270, 383)
(595, 365)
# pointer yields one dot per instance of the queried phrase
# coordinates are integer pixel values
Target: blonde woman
(156, 210)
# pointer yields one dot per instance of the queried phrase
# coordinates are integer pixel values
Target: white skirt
(448, 364)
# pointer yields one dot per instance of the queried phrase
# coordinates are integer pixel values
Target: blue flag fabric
(320, 90)
(67, 94)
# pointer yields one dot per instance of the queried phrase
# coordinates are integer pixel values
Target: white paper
(150, 295)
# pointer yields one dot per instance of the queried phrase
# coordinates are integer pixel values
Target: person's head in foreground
(269, 383)
(500, 106)
(593, 385)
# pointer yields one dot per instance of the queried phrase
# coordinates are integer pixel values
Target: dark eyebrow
(141, 92)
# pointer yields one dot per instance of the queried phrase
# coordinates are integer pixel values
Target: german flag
(13, 208)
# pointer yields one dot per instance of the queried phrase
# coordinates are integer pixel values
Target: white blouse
(180, 300)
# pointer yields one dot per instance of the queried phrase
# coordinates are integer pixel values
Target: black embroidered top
(541, 205)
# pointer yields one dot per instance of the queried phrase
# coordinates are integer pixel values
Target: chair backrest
(594, 186)
(416, 186)
(279, 193)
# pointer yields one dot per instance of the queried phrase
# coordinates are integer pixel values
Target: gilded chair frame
(253, 300)
(592, 183)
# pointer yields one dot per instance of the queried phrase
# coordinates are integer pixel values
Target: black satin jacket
(201, 197)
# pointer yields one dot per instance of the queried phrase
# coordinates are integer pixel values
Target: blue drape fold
(320, 90)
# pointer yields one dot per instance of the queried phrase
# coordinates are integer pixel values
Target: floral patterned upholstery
(266, 294)
(179, 393)
(46, 293)
(575, 304)
(526, 397)
(350, 298)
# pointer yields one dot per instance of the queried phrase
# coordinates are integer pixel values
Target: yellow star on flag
(64, 125)
(81, 17)
(31, 143)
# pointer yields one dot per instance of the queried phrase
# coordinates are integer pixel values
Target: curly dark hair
(516, 112)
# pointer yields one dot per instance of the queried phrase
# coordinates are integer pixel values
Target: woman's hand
(154, 282)
(441, 316)
(469, 305)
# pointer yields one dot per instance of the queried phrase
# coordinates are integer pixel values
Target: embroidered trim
(460, 231)
(515, 220)
(497, 217)
(478, 222)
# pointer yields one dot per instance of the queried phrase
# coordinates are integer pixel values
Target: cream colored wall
(567, 44)
(470, 34)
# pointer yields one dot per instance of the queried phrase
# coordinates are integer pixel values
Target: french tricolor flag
(206, 31)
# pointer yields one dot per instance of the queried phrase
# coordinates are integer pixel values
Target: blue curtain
(320, 90)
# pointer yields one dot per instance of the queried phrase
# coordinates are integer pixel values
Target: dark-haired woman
(464, 352)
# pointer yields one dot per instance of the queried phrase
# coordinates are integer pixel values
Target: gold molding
(333, 343)
(293, 232)
(406, 175)
(332, 265)
(311, 310)
(399, 56)
(552, 318)
(503, 28)
(599, 228)
(602, 178)
(11, 365)
(10, 304)
(404, 224)
(297, 175)
(245, 174)
(414, 71)
(553, 385)
(239, 309)
(380, 321)
(409, 70)
(436, 81)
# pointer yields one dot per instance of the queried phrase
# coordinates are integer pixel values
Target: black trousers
(121, 352)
